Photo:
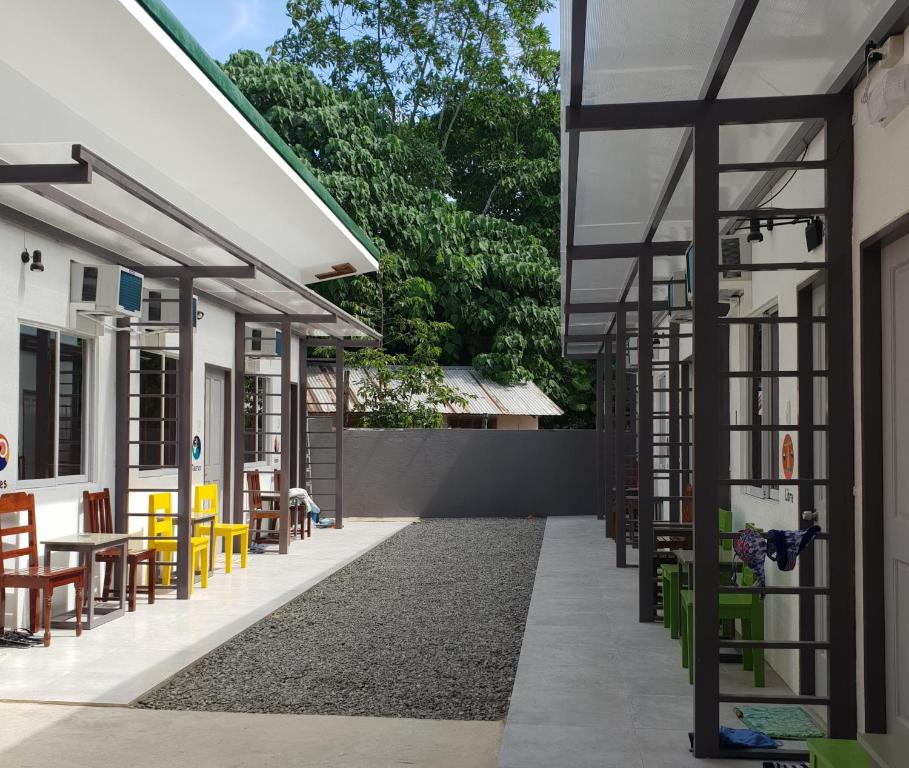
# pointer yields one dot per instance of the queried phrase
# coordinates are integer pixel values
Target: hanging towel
(784, 547)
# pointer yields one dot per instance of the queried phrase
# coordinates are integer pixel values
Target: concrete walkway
(42, 735)
(119, 661)
(595, 688)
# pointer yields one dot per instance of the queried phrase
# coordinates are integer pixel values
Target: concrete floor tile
(550, 746)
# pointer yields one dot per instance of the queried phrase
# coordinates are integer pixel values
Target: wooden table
(88, 545)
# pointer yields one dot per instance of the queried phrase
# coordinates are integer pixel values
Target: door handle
(809, 514)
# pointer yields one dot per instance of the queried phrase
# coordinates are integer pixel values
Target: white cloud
(246, 20)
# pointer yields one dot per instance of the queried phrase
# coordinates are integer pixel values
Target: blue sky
(224, 26)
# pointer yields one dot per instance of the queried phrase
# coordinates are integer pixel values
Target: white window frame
(88, 388)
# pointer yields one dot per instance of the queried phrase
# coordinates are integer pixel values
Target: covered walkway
(595, 687)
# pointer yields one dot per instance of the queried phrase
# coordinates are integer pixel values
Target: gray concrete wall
(468, 472)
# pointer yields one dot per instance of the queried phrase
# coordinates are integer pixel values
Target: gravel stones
(426, 625)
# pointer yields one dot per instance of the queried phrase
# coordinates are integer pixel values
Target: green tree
(400, 392)
(455, 286)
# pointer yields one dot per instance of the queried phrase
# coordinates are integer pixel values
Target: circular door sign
(788, 457)
(197, 447)
(4, 452)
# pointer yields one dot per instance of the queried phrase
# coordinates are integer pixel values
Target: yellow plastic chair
(160, 531)
(205, 502)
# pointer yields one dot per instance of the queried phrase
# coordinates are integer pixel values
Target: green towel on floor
(781, 722)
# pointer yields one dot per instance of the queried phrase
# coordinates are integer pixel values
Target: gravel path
(426, 625)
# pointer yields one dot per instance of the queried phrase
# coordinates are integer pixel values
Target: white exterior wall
(880, 196)
(508, 421)
(42, 299)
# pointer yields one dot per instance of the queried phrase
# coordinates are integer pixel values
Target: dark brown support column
(303, 412)
(672, 439)
(724, 437)
(609, 433)
(598, 422)
(840, 496)
(286, 354)
(805, 471)
(685, 432)
(646, 607)
(706, 458)
(122, 450)
(184, 441)
(239, 379)
(621, 440)
(340, 407)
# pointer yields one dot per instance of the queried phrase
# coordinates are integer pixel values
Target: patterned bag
(750, 547)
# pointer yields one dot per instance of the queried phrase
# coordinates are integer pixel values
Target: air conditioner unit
(679, 305)
(734, 250)
(263, 342)
(105, 289)
(162, 305)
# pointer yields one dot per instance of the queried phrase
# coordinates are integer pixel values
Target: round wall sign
(4, 452)
(197, 447)
(788, 457)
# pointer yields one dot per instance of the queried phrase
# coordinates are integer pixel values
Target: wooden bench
(837, 753)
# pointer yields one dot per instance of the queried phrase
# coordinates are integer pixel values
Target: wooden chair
(35, 578)
(205, 501)
(161, 530)
(96, 508)
(256, 513)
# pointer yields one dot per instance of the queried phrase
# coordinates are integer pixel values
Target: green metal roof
(165, 18)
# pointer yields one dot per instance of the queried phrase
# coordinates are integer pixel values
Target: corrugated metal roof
(484, 396)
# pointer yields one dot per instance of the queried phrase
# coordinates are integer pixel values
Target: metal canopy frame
(709, 378)
(41, 179)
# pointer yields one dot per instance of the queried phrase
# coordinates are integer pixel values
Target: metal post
(239, 382)
(685, 432)
(621, 440)
(806, 504)
(724, 491)
(706, 459)
(122, 438)
(184, 442)
(840, 499)
(672, 438)
(286, 348)
(340, 403)
(609, 434)
(303, 395)
(646, 584)
(598, 470)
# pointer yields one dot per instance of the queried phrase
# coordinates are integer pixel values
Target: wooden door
(895, 317)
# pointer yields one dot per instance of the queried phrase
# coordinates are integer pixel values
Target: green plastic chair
(671, 573)
(747, 608)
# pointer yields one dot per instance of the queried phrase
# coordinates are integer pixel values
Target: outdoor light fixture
(754, 231)
(34, 258)
(814, 233)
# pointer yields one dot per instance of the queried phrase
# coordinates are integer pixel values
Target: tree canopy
(465, 218)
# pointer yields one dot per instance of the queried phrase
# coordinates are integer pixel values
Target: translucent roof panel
(792, 47)
(646, 51)
(620, 175)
